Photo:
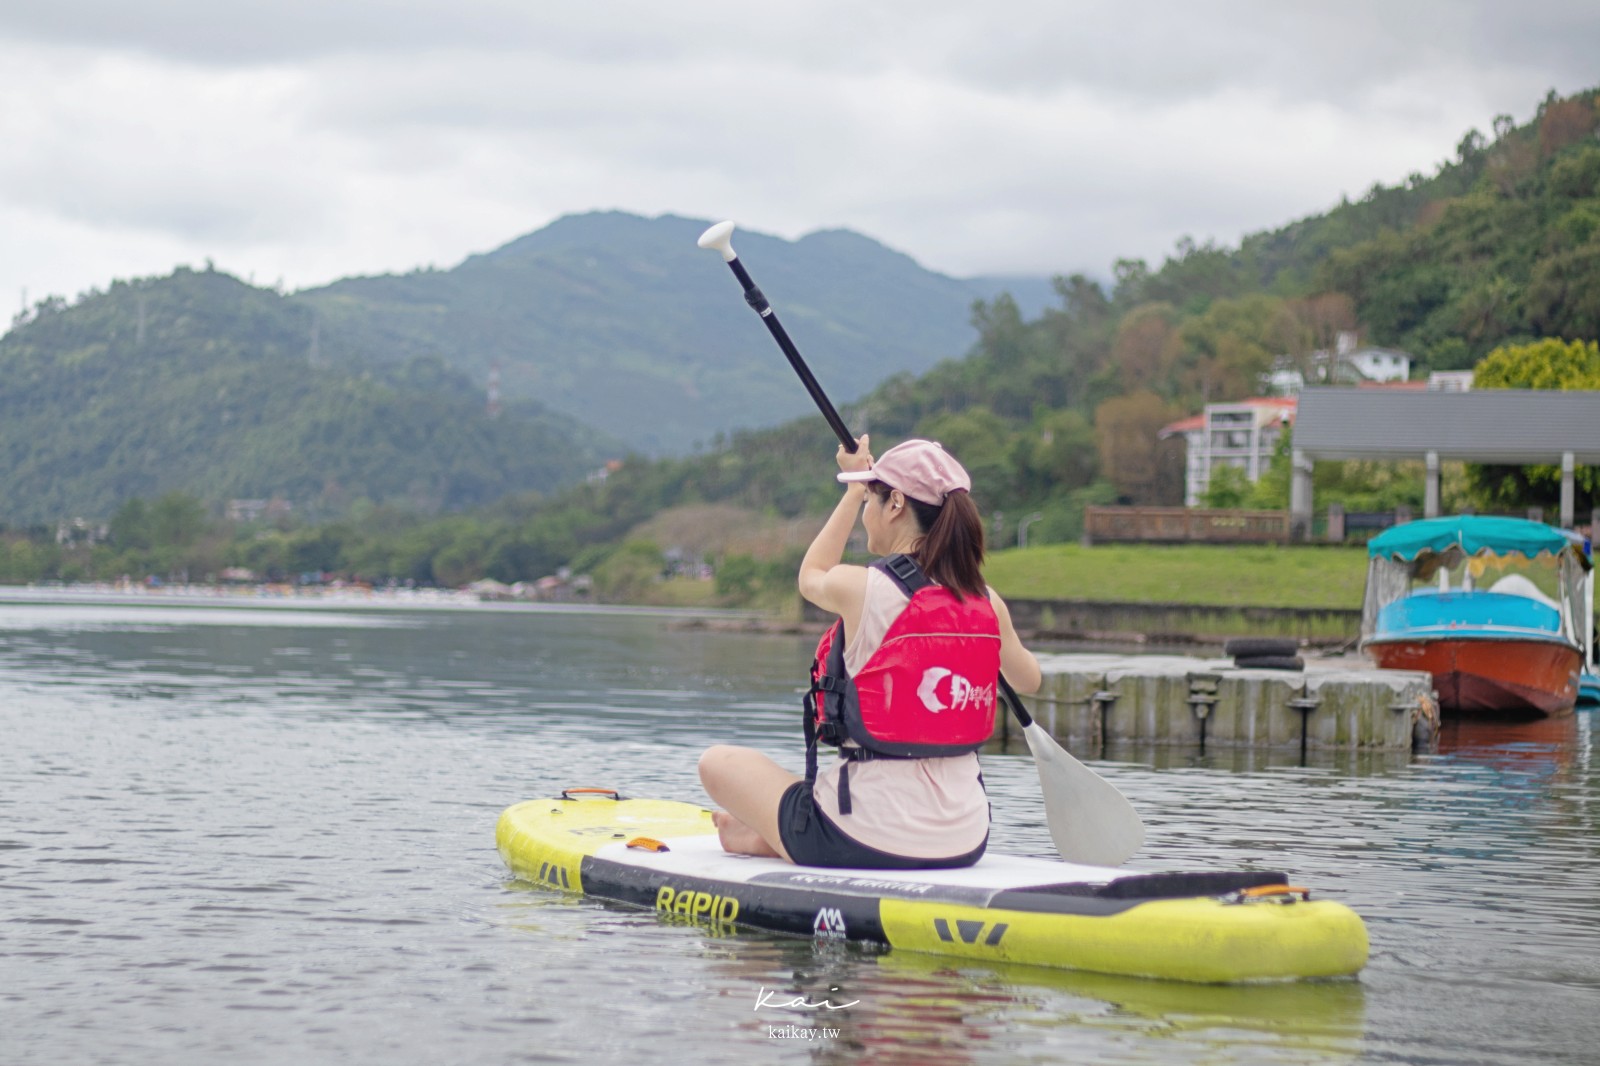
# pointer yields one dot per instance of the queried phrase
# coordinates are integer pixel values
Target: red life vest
(929, 690)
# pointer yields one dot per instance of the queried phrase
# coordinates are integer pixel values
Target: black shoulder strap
(904, 572)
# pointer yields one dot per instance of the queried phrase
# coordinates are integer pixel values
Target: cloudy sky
(304, 140)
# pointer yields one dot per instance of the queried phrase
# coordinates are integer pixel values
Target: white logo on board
(829, 924)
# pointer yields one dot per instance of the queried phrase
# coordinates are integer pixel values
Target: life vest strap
(802, 811)
(904, 572)
(856, 754)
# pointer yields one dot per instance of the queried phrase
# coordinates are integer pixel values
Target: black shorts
(811, 839)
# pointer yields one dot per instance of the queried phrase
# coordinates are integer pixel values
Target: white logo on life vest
(944, 690)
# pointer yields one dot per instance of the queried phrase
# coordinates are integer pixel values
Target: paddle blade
(1090, 821)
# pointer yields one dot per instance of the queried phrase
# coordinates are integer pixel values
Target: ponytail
(951, 549)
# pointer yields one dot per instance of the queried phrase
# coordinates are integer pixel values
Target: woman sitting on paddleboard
(905, 684)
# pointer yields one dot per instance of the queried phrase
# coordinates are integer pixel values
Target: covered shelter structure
(1512, 427)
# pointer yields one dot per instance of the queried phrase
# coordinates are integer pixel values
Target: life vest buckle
(911, 577)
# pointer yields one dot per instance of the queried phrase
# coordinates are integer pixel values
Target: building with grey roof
(1519, 427)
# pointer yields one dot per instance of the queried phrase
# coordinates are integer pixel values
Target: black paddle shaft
(758, 301)
(1023, 717)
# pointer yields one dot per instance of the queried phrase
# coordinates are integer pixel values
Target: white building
(1241, 435)
(1450, 381)
(1347, 364)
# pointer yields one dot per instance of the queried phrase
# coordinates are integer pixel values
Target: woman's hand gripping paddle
(1090, 821)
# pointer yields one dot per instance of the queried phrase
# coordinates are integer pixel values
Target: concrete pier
(1090, 701)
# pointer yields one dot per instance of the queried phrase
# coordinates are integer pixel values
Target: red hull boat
(1490, 676)
(1517, 647)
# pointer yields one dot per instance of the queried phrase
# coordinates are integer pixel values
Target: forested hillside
(623, 323)
(200, 383)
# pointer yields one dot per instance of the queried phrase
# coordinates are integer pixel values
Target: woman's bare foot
(738, 838)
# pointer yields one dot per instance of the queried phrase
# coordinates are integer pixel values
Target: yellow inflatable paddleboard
(1214, 927)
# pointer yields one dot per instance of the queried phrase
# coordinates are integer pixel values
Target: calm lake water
(267, 835)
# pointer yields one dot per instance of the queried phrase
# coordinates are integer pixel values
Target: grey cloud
(1151, 50)
(1011, 136)
(610, 32)
(1343, 54)
(249, 31)
(119, 148)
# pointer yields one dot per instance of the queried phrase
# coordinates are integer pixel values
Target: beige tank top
(916, 808)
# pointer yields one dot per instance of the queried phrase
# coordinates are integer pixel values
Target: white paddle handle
(720, 237)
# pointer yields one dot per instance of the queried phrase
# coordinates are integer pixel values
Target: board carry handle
(1273, 893)
(574, 793)
(647, 844)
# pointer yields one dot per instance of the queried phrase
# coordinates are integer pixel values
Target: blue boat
(1498, 610)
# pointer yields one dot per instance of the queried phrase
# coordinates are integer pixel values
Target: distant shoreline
(312, 598)
(1044, 631)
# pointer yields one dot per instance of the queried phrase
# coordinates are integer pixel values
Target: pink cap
(921, 469)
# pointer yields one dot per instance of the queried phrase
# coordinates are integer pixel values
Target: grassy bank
(1208, 575)
(1264, 576)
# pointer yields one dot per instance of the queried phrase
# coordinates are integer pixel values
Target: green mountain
(200, 383)
(623, 323)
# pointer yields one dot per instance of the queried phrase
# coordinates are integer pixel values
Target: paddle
(1090, 821)
(720, 238)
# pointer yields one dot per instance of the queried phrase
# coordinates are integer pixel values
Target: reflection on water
(1549, 740)
(1306, 1021)
(268, 835)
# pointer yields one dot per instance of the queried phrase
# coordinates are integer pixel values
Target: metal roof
(1510, 426)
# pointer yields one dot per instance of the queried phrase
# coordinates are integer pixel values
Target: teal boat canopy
(1469, 534)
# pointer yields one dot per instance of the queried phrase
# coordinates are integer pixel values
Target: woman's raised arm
(1016, 662)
